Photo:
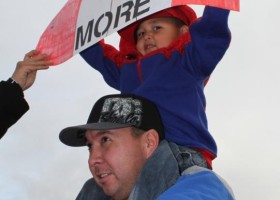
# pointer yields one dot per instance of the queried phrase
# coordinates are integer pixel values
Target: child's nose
(148, 35)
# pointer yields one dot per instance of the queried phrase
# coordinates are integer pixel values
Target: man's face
(115, 160)
(157, 33)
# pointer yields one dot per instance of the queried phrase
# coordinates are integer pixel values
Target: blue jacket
(173, 77)
(198, 183)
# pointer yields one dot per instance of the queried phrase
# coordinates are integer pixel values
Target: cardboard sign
(82, 23)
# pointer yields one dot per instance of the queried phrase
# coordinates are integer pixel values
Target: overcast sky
(243, 109)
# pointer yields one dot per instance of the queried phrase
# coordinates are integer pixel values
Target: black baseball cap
(113, 112)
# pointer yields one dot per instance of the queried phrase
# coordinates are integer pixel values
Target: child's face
(156, 33)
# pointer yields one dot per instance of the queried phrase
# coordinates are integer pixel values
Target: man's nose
(95, 156)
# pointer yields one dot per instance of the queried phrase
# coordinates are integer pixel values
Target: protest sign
(82, 23)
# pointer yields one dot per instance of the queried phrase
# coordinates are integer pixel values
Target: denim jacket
(160, 172)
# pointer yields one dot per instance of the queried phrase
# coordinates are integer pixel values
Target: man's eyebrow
(98, 134)
(102, 132)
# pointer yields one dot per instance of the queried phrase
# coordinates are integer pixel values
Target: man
(129, 158)
(12, 102)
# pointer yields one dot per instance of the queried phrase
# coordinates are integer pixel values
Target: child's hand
(25, 72)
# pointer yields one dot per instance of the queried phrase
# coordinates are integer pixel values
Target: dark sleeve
(12, 105)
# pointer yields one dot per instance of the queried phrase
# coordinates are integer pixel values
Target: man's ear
(184, 29)
(151, 142)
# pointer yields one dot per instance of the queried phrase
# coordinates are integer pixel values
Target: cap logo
(122, 111)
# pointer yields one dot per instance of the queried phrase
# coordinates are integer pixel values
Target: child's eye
(156, 28)
(140, 34)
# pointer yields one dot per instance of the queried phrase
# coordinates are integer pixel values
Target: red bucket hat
(183, 13)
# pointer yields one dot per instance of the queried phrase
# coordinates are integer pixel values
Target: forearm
(211, 38)
(97, 57)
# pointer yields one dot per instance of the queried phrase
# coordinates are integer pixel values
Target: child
(167, 58)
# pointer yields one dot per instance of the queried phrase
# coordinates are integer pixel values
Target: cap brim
(75, 135)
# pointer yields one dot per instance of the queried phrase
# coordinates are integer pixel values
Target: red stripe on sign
(226, 4)
(61, 33)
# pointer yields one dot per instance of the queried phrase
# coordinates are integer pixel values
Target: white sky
(242, 106)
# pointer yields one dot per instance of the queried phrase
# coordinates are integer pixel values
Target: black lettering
(109, 15)
(127, 13)
(138, 4)
(117, 16)
(124, 10)
(81, 38)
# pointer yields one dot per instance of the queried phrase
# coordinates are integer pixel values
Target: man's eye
(104, 140)
(89, 146)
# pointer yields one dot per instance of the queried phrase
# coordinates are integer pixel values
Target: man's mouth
(101, 176)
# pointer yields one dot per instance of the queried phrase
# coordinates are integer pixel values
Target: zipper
(139, 70)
